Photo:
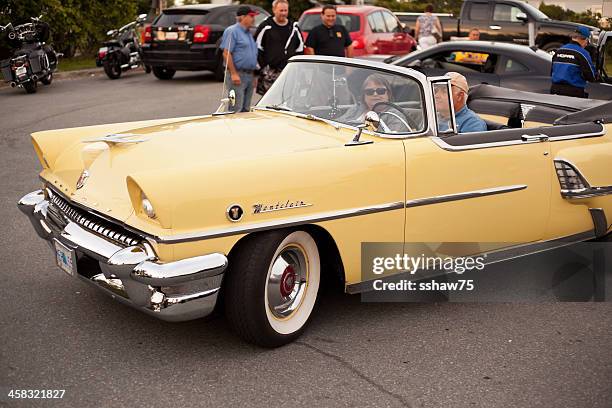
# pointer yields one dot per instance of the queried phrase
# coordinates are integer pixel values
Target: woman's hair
(429, 8)
(376, 79)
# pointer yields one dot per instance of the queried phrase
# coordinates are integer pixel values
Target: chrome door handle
(534, 138)
(495, 27)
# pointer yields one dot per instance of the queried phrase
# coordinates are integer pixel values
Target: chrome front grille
(92, 222)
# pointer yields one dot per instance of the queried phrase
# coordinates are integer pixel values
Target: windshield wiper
(278, 107)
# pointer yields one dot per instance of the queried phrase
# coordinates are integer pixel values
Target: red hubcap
(287, 281)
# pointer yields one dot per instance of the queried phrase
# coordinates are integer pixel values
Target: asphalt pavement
(58, 333)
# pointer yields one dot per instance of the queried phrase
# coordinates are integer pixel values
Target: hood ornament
(82, 179)
(115, 138)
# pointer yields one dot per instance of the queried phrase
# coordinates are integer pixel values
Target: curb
(60, 76)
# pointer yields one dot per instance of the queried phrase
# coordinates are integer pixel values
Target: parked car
(187, 38)
(374, 30)
(257, 210)
(501, 64)
(505, 21)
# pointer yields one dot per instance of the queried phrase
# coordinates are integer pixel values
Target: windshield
(535, 12)
(346, 93)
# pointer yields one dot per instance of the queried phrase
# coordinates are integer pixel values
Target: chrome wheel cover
(287, 281)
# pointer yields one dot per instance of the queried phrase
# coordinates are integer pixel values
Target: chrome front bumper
(174, 291)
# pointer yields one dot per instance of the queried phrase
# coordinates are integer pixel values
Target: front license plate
(21, 71)
(171, 36)
(65, 258)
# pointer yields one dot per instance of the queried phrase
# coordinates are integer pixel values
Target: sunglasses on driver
(377, 91)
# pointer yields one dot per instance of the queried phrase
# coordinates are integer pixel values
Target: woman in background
(428, 29)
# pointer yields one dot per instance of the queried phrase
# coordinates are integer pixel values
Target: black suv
(187, 38)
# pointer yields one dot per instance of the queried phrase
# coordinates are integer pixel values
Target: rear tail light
(201, 34)
(358, 43)
(147, 34)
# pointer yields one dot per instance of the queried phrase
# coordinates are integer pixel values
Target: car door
(478, 16)
(477, 66)
(399, 40)
(381, 40)
(507, 26)
(603, 64)
(476, 188)
(517, 74)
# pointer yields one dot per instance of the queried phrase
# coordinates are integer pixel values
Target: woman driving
(377, 96)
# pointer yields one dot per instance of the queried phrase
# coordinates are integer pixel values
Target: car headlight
(147, 207)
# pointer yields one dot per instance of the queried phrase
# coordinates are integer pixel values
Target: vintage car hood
(174, 149)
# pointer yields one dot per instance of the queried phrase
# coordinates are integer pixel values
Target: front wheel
(112, 68)
(163, 73)
(30, 86)
(47, 79)
(271, 286)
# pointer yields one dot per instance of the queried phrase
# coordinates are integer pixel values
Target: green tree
(75, 24)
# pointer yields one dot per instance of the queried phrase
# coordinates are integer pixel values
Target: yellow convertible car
(256, 211)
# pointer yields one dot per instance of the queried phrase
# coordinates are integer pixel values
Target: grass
(72, 64)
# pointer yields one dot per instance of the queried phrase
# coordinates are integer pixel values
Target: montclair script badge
(278, 206)
(82, 179)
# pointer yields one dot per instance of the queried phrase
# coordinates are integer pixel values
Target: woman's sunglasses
(377, 91)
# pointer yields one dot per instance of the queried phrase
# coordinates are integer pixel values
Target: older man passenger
(467, 120)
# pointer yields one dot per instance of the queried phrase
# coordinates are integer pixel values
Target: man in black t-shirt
(329, 38)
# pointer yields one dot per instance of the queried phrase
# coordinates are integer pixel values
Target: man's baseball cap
(246, 11)
(459, 81)
(583, 31)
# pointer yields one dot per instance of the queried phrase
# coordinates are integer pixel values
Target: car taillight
(358, 43)
(101, 54)
(147, 34)
(201, 33)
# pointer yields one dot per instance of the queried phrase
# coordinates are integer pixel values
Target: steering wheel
(404, 119)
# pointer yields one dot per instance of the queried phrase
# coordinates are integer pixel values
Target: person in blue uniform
(572, 66)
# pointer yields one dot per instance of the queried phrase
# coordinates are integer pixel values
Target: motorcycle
(32, 59)
(122, 52)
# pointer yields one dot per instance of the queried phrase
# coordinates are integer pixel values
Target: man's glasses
(377, 91)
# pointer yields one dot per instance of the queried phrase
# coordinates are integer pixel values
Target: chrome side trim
(264, 226)
(501, 255)
(587, 192)
(334, 215)
(464, 196)
(581, 136)
(441, 143)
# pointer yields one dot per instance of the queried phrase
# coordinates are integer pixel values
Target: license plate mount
(65, 258)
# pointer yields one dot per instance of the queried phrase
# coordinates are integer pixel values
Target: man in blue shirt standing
(572, 66)
(467, 120)
(240, 56)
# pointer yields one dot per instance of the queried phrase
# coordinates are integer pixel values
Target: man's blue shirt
(572, 65)
(240, 43)
(468, 121)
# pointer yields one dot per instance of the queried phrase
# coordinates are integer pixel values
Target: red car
(374, 30)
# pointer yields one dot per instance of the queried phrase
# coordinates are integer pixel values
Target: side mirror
(110, 32)
(141, 18)
(371, 122)
(522, 17)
